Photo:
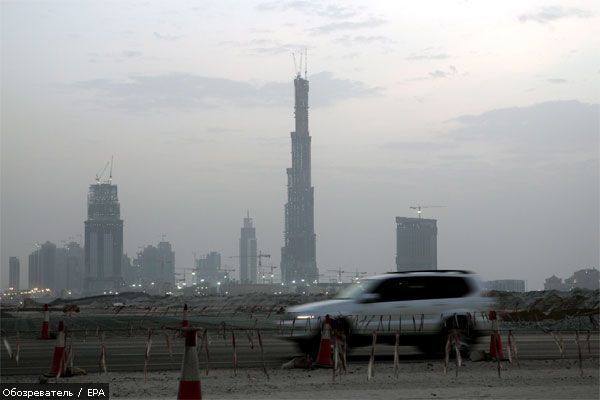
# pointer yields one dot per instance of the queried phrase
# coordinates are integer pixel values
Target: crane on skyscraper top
(100, 174)
(419, 208)
(298, 68)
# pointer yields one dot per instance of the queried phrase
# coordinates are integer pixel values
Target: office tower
(416, 244)
(248, 260)
(208, 269)
(74, 267)
(131, 271)
(14, 273)
(157, 267)
(103, 239)
(42, 267)
(298, 256)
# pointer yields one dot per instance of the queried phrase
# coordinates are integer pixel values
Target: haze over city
(488, 110)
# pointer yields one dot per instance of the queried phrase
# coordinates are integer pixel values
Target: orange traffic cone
(189, 384)
(324, 358)
(495, 340)
(46, 324)
(58, 365)
(496, 346)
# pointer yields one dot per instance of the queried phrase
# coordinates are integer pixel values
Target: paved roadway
(127, 353)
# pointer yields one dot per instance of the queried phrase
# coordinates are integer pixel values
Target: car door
(410, 301)
(383, 307)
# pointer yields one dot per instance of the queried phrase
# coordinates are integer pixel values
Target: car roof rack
(459, 271)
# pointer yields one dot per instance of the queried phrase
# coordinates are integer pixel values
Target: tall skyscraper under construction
(416, 244)
(248, 258)
(298, 256)
(103, 239)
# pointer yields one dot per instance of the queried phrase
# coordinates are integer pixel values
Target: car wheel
(433, 347)
(310, 346)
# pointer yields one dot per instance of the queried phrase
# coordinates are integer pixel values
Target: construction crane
(100, 174)
(271, 276)
(298, 66)
(227, 271)
(259, 256)
(419, 208)
(339, 272)
(358, 276)
(185, 274)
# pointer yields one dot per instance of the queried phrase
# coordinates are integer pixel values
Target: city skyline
(490, 110)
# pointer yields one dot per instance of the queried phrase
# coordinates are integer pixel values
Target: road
(127, 353)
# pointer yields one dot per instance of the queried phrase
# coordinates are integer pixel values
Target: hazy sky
(488, 108)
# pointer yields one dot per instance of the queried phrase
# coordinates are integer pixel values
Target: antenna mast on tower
(111, 165)
(305, 63)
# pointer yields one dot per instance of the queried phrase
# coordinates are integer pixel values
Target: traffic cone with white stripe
(324, 358)
(58, 364)
(46, 324)
(189, 384)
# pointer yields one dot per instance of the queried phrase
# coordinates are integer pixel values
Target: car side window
(391, 289)
(421, 288)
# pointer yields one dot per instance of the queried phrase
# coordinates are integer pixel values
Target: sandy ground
(560, 379)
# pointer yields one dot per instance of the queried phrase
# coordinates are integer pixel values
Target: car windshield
(355, 290)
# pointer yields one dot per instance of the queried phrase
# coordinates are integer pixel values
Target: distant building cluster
(582, 279)
(59, 269)
(153, 269)
(505, 285)
(209, 271)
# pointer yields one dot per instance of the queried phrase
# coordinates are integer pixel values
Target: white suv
(422, 305)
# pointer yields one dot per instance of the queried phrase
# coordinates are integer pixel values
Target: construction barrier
(332, 344)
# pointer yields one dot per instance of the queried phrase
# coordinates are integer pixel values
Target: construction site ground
(533, 379)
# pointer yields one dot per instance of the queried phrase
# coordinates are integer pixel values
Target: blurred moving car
(423, 306)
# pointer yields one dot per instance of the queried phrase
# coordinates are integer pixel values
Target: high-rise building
(42, 267)
(72, 256)
(132, 274)
(103, 239)
(157, 267)
(584, 279)
(416, 244)
(14, 273)
(555, 283)
(248, 260)
(208, 269)
(298, 255)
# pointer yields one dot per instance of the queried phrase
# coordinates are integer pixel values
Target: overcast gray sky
(490, 109)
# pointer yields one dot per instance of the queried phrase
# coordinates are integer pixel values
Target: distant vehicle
(422, 305)
(119, 304)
